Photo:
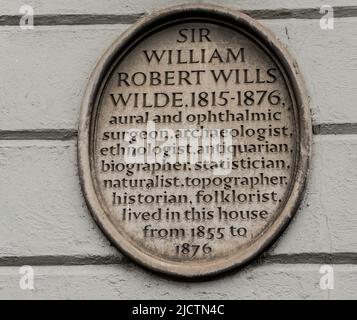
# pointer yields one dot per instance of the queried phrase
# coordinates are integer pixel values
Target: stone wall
(44, 220)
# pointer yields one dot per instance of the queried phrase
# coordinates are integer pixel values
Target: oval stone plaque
(194, 140)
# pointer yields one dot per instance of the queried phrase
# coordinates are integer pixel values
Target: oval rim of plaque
(301, 112)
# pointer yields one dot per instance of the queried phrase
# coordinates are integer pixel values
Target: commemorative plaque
(194, 140)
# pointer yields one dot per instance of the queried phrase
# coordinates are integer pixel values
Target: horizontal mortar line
(334, 128)
(72, 19)
(71, 134)
(46, 134)
(303, 13)
(94, 19)
(79, 260)
(312, 258)
(63, 260)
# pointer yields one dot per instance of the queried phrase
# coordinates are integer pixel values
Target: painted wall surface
(44, 221)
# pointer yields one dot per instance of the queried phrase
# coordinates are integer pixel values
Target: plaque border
(303, 139)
